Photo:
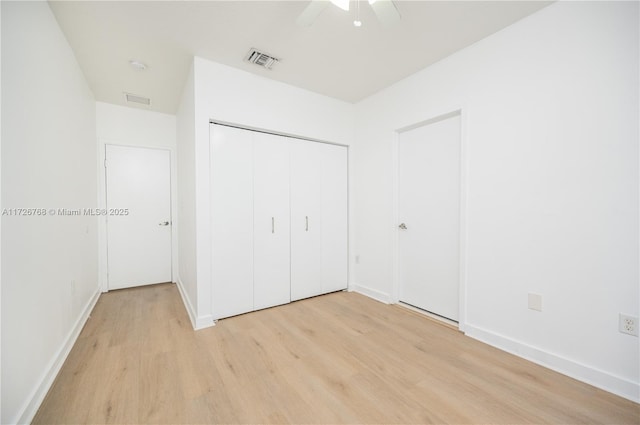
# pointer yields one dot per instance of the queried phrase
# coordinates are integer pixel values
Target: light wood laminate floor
(339, 358)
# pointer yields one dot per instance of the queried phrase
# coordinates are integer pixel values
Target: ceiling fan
(385, 10)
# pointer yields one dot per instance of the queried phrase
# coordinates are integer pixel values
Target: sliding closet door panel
(306, 220)
(271, 282)
(232, 220)
(334, 218)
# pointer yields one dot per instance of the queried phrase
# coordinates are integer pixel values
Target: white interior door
(138, 216)
(232, 220)
(334, 218)
(306, 219)
(271, 278)
(429, 208)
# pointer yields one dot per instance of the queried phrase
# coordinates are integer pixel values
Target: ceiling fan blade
(311, 12)
(386, 12)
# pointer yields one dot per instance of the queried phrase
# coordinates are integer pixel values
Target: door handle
(306, 219)
(402, 226)
(164, 223)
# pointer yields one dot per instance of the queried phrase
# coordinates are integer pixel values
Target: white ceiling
(331, 57)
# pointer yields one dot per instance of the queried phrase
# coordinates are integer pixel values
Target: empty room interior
(345, 211)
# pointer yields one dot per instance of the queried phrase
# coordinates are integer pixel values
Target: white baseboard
(29, 410)
(371, 293)
(198, 322)
(187, 304)
(600, 379)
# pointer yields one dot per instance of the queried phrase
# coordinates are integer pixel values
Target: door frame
(103, 281)
(395, 291)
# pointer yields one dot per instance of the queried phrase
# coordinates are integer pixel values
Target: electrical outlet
(535, 302)
(628, 325)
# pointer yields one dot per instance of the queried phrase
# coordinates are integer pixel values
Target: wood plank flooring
(339, 358)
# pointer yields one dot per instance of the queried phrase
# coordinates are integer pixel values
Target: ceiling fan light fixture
(342, 4)
(357, 23)
(386, 12)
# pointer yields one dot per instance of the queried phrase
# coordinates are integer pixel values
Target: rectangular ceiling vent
(134, 98)
(262, 59)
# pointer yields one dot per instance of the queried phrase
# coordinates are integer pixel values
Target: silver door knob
(402, 226)
(164, 223)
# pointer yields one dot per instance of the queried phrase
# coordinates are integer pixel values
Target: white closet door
(232, 220)
(306, 220)
(271, 284)
(334, 218)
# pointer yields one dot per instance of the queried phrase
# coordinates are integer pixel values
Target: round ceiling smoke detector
(137, 65)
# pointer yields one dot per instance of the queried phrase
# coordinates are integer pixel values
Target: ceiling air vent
(134, 98)
(262, 59)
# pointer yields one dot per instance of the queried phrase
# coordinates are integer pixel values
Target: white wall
(226, 94)
(120, 125)
(49, 273)
(135, 127)
(187, 201)
(550, 107)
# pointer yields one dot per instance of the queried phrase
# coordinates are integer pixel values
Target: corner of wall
(186, 210)
(197, 322)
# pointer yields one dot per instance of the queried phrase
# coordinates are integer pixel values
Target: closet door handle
(273, 225)
(306, 219)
